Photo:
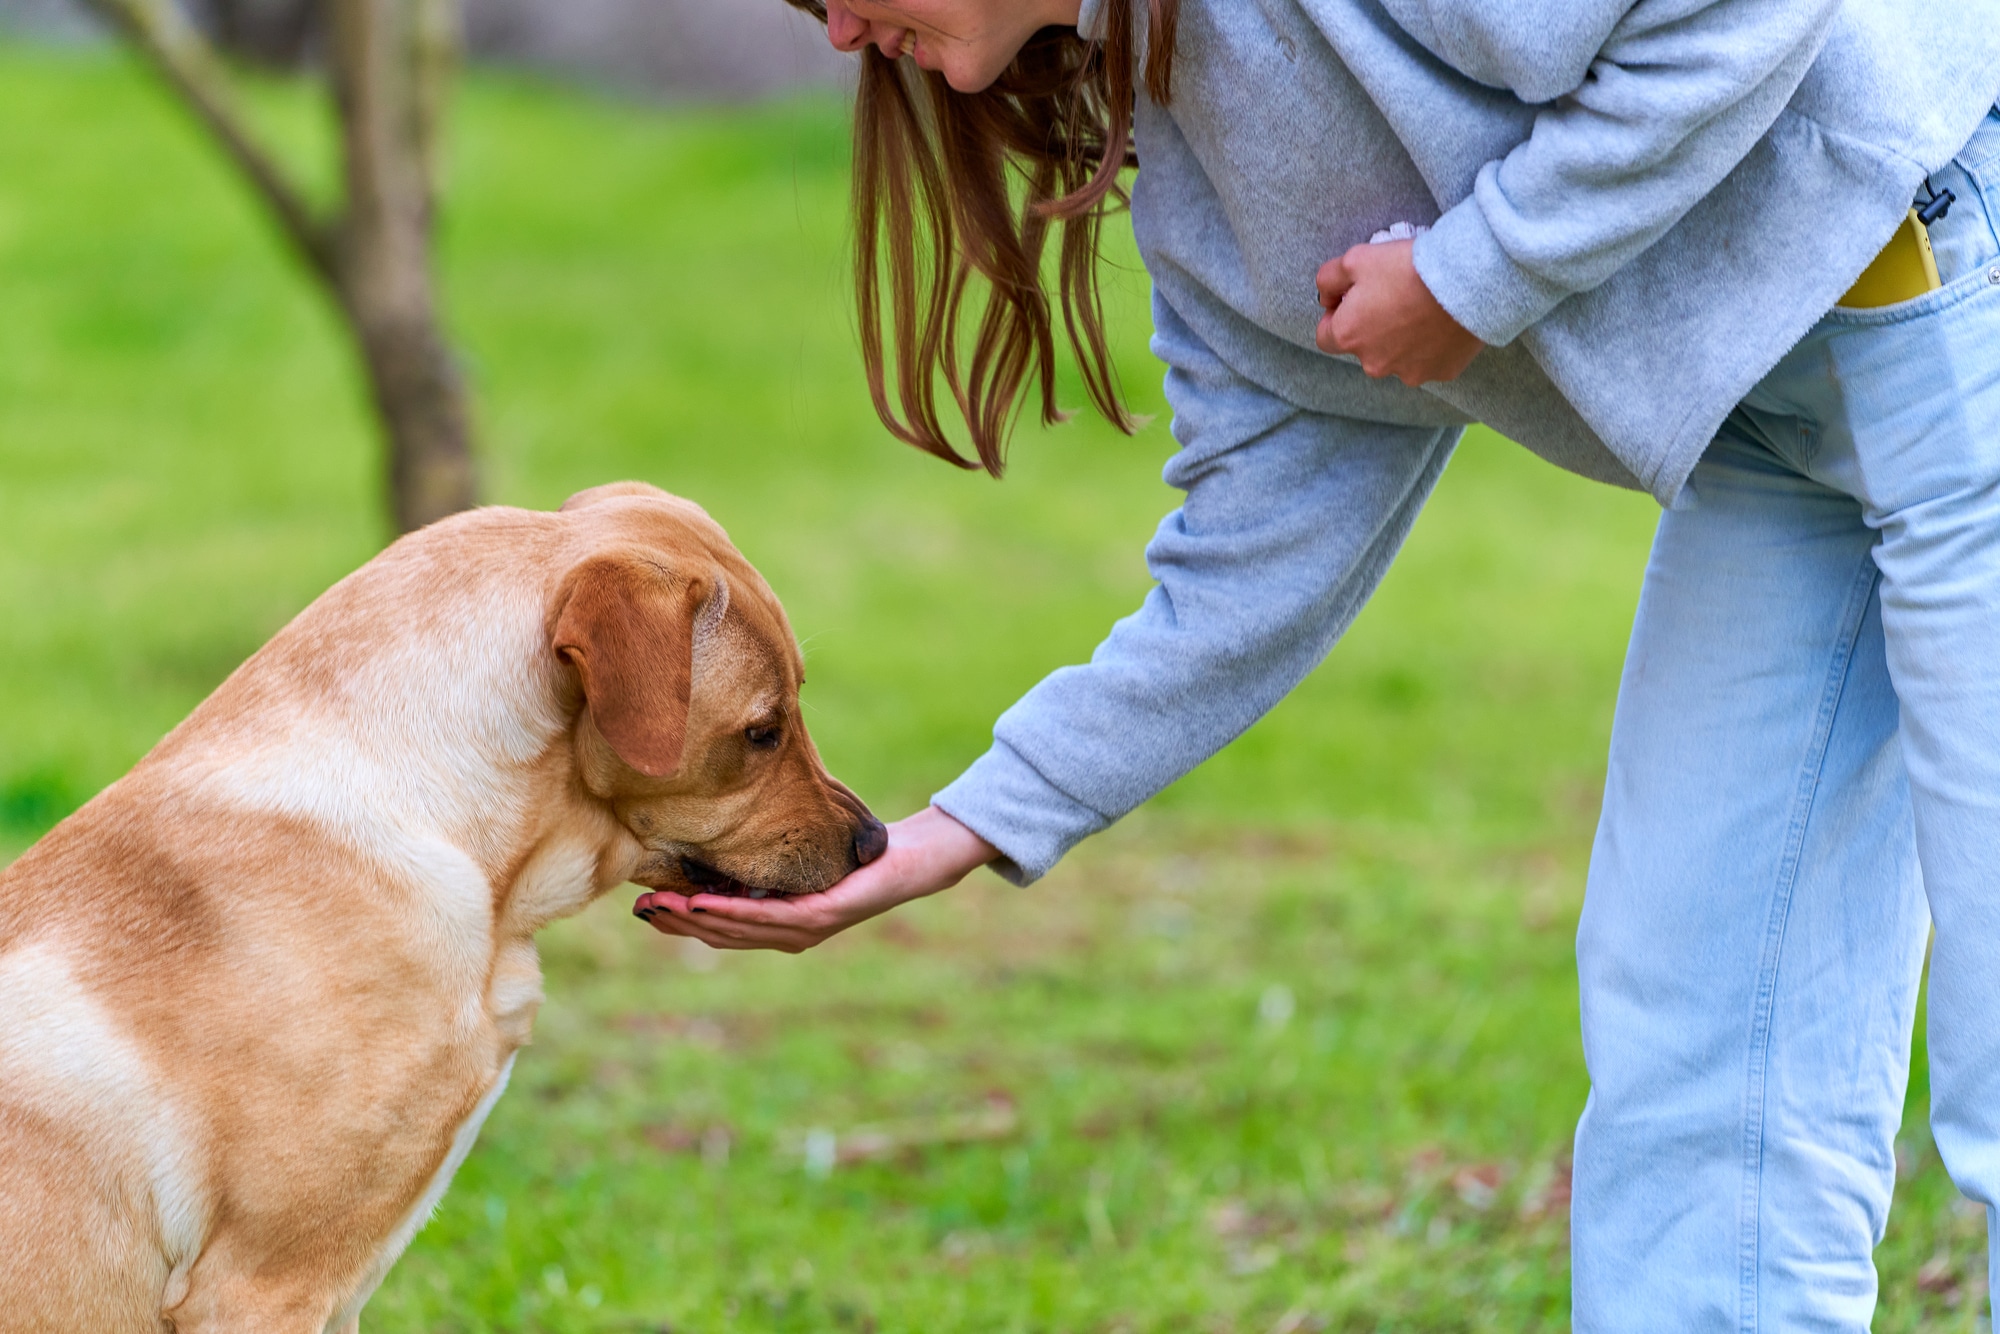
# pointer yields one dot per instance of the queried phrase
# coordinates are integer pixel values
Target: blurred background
(681, 50)
(1294, 1048)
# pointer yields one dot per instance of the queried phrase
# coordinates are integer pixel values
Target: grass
(1292, 1049)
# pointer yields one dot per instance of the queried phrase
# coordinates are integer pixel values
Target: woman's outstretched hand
(928, 852)
(1379, 311)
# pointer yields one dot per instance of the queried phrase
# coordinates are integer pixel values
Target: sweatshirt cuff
(1006, 801)
(1476, 281)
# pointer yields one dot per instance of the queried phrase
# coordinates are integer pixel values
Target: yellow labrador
(257, 996)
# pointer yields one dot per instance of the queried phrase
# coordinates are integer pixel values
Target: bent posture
(1630, 229)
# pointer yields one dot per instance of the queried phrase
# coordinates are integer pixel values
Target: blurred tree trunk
(390, 64)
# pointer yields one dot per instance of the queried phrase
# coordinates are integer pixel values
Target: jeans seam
(1809, 433)
(1765, 998)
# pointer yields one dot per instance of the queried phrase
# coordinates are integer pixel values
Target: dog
(258, 995)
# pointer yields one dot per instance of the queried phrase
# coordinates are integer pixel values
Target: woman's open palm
(927, 852)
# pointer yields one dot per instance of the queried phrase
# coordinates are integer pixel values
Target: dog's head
(687, 684)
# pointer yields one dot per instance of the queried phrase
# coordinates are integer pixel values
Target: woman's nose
(844, 29)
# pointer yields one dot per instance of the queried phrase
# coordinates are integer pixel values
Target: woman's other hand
(1379, 311)
(928, 852)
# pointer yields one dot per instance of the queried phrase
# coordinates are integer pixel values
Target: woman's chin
(963, 77)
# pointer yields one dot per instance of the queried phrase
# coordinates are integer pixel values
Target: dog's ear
(628, 627)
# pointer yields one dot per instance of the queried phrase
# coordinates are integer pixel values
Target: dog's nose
(870, 841)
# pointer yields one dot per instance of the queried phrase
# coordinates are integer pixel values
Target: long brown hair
(950, 185)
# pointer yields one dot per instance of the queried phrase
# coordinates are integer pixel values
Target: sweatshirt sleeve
(1289, 521)
(1643, 109)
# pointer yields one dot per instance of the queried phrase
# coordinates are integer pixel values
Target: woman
(1641, 217)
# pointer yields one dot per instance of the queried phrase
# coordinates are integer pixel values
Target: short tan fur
(257, 995)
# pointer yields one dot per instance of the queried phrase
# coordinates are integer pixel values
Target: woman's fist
(1379, 312)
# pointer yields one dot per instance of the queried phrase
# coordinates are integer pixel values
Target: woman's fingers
(741, 923)
(1336, 276)
(790, 923)
(1326, 335)
(807, 910)
(1367, 267)
(722, 933)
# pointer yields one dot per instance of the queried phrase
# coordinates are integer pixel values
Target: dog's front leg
(244, 1305)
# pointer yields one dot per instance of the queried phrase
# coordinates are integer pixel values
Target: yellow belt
(1906, 268)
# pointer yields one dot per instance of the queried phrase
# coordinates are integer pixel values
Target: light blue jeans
(1804, 777)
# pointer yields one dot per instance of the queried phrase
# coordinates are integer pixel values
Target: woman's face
(968, 41)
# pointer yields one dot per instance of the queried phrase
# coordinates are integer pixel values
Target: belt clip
(1935, 204)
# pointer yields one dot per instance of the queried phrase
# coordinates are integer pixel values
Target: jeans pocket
(1967, 237)
(1977, 281)
(1966, 240)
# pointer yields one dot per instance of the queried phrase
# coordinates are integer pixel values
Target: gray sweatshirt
(1639, 207)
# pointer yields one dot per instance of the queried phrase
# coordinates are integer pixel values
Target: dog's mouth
(709, 880)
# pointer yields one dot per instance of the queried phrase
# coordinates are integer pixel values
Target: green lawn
(1293, 1049)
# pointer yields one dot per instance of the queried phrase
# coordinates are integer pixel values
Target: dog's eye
(763, 738)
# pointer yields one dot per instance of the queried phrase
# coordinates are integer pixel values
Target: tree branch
(184, 58)
(434, 40)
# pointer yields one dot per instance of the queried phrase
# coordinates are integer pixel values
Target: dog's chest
(496, 1017)
(514, 994)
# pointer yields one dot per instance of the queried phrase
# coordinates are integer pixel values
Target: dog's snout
(870, 841)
